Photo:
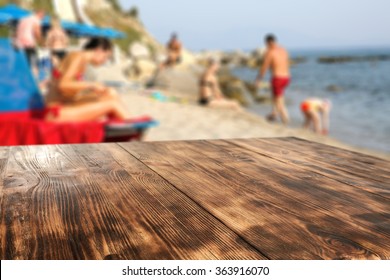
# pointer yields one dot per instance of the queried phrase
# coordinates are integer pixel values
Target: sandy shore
(185, 120)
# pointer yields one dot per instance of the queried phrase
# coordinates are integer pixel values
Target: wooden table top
(227, 199)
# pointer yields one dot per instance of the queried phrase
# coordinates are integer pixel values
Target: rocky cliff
(109, 13)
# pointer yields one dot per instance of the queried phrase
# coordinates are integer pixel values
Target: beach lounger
(22, 111)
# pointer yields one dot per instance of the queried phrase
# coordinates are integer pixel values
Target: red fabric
(31, 128)
(21, 129)
(279, 85)
(305, 106)
(38, 132)
(16, 116)
(56, 74)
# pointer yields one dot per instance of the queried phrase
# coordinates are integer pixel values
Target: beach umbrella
(80, 29)
(89, 30)
(67, 25)
(75, 28)
(94, 31)
(14, 12)
(4, 18)
(112, 33)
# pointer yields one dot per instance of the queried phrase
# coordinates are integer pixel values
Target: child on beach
(210, 92)
(78, 100)
(29, 36)
(316, 113)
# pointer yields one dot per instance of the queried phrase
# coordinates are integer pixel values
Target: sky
(298, 24)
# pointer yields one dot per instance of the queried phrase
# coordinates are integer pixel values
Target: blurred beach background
(358, 89)
(340, 51)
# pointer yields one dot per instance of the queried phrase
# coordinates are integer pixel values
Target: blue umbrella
(112, 33)
(88, 30)
(4, 18)
(94, 31)
(79, 29)
(67, 25)
(14, 12)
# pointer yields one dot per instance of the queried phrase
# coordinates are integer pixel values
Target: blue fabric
(94, 31)
(145, 125)
(79, 29)
(14, 12)
(18, 89)
(4, 18)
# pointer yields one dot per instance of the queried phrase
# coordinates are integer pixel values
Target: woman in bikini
(76, 100)
(210, 92)
(316, 113)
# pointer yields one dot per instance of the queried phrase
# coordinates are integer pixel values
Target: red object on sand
(20, 129)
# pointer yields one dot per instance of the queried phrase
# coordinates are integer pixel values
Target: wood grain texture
(99, 202)
(362, 171)
(283, 210)
(4, 156)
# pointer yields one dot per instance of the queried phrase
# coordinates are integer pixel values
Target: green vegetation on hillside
(111, 19)
(45, 5)
(133, 12)
(4, 30)
(115, 4)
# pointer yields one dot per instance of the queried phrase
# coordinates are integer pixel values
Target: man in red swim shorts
(277, 60)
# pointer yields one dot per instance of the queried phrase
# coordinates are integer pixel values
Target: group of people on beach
(73, 99)
(276, 59)
(315, 110)
(70, 97)
(29, 36)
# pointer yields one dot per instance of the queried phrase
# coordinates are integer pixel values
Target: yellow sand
(188, 121)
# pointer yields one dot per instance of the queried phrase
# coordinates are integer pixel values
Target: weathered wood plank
(325, 193)
(321, 159)
(25, 207)
(99, 202)
(346, 159)
(4, 155)
(269, 207)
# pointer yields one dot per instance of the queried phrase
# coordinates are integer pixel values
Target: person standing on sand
(277, 60)
(316, 113)
(29, 35)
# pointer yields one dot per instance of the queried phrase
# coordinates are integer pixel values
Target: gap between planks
(195, 202)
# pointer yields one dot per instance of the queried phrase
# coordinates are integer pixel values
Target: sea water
(361, 103)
